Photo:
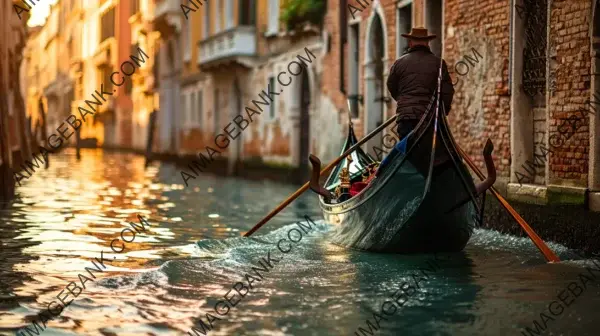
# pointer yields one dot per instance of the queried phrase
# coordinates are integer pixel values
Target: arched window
(206, 25)
(403, 25)
(434, 16)
(247, 12)
(273, 17)
(229, 14)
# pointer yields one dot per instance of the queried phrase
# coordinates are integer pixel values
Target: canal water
(168, 278)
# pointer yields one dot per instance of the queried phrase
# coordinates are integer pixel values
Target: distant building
(74, 54)
(15, 138)
(231, 51)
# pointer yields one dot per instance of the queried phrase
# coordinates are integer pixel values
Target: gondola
(421, 198)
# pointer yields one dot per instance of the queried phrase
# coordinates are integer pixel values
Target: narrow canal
(169, 277)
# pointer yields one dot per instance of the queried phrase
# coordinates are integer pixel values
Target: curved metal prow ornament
(314, 180)
(349, 113)
(435, 127)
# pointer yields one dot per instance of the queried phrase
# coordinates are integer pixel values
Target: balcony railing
(238, 41)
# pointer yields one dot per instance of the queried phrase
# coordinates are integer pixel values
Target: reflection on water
(170, 276)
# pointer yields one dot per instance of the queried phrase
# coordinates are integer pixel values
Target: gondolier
(413, 80)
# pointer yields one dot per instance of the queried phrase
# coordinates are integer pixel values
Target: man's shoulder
(402, 59)
(418, 54)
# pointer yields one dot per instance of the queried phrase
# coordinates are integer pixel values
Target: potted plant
(295, 13)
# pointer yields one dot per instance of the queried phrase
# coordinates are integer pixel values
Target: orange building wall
(123, 102)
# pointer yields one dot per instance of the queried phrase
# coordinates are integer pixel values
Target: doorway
(594, 158)
(235, 155)
(304, 123)
(374, 81)
(434, 18)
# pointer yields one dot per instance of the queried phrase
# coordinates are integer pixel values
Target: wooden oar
(546, 251)
(323, 171)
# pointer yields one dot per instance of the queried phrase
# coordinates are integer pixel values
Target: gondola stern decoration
(314, 178)
(490, 167)
(486, 184)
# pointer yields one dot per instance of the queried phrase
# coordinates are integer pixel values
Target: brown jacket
(413, 81)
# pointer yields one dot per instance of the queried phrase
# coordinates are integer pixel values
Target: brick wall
(570, 65)
(331, 80)
(481, 107)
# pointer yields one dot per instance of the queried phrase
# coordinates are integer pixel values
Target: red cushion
(357, 187)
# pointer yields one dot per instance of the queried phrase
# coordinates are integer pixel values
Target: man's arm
(392, 81)
(447, 88)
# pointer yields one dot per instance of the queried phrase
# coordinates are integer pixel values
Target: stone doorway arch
(375, 62)
(304, 122)
(235, 154)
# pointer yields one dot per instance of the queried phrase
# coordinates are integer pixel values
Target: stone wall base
(548, 195)
(594, 201)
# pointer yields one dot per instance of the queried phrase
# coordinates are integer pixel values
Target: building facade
(522, 70)
(15, 135)
(216, 58)
(75, 53)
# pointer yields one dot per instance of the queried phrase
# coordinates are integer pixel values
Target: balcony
(105, 53)
(236, 45)
(167, 17)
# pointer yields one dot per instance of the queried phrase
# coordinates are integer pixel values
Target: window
(206, 28)
(107, 24)
(187, 40)
(216, 111)
(353, 65)
(134, 48)
(71, 48)
(128, 85)
(272, 88)
(200, 113)
(193, 108)
(434, 20)
(273, 17)
(229, 14)
(403, 25)
(186, 105)
(79, 86)
(189, 104)
(218, 23)
(135, 6)
(105, 75)
(247, 12)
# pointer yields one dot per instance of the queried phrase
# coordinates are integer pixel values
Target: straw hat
(419, 33)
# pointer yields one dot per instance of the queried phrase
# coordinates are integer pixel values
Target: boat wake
(215, 262)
